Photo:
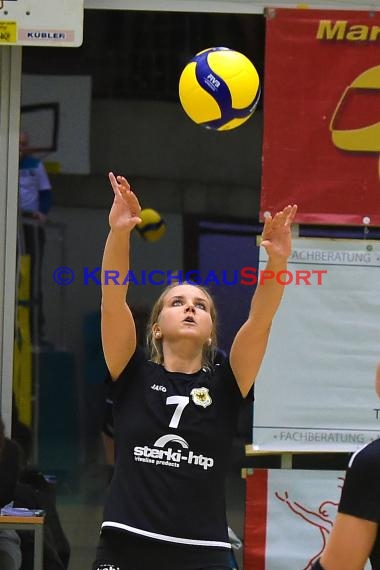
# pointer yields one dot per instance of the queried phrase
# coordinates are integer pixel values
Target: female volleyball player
(355, 536)
(175, 414)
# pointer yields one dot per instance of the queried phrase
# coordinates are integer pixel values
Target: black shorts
(119, 550)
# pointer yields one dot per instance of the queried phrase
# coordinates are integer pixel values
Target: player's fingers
(291, 214)
(133, 202)
(279, 219)
(123, 183)
(268, 221)
(128, 193)
(115, 186)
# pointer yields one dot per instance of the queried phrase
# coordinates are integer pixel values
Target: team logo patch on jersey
(201, 397)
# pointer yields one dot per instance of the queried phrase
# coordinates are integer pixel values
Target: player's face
(186, 314)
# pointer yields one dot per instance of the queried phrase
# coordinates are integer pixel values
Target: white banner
(289, 516)
(315, 390)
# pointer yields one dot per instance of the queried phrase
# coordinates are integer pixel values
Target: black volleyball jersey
(361, 491)
(173, 435)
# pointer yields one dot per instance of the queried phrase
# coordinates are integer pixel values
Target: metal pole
(10, 97)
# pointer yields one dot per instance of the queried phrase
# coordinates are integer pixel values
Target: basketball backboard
(41, 22)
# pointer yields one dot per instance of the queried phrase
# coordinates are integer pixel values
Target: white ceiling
(226, 6)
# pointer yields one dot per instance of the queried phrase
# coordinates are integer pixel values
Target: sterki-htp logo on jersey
(175, 455)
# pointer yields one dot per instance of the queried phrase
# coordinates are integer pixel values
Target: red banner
(289, 516)
(321, 145)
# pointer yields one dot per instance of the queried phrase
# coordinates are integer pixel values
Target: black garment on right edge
(361, 491)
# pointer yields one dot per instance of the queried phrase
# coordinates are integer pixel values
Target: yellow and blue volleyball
(219, 88)
(152, 226)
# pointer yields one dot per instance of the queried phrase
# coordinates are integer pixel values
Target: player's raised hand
(125, 211)
(276, 237)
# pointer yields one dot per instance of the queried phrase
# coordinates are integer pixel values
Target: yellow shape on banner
(8, 32)
(365, 139)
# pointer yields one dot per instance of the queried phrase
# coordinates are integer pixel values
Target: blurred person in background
(35, 200)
